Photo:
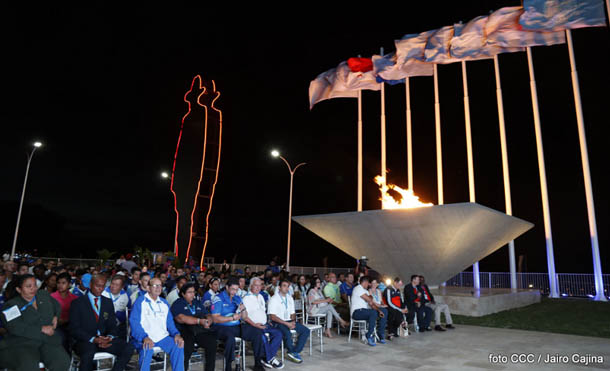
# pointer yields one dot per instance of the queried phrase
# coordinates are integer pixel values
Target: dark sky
(103, 88)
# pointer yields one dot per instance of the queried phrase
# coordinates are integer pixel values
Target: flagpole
(475, 267)
(409, 137)
(383, 145)
(439, 151)
(360, 150)
(597, 268)
(554, 293)
(505, 172)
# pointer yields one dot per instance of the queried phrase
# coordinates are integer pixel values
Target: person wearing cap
(81, 283)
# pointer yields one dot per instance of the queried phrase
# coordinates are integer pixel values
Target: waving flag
(438, 46)
(503, 29)
(326, 86)
(412, 46)
(387, 69)
(469, 41)
(340, 82)
(555, 15)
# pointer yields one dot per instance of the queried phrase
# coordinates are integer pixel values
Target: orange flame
(394, 197)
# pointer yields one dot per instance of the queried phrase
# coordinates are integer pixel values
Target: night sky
(103, 89)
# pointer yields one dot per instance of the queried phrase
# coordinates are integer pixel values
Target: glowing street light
(25, 182)
(275, 153)
(164, 175)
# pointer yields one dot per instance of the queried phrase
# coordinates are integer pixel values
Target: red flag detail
(360, 64)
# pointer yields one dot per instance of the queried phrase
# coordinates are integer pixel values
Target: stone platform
(468, 302)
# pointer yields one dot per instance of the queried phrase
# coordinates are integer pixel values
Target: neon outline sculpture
(196, 197)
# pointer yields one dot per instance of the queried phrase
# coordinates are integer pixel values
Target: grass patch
(562, 316)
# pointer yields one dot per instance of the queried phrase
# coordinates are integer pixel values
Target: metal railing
(570, 284)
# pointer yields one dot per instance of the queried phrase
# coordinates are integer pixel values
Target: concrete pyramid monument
(437, 242)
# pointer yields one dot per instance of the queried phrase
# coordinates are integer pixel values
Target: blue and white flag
(388, 70)
(555, 15)
(469, 41)
(503, 30)
(326, 86)
(438, 46)
(340, 82)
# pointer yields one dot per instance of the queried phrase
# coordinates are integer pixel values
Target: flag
(326, 86)
(503, 29)
(555, 15)
(340, 82)
(469, 41)
(388, 70)
(360, 64)
(411, 47)
(438, 46)
(356, 80)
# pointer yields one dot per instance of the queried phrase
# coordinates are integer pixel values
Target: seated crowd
(52, 312)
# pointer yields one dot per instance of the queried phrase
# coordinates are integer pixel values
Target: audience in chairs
(364, 308)
(416, 303)
(194, 322)
(97, 321)
(396, 307)
(318, 304)
(30, 317)
(256, 324)
(152, 324)
(283, 316)
(94, 328)
(438, 308)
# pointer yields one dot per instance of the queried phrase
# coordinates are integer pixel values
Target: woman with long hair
(318, 304)
(31, 318)
(50, 283)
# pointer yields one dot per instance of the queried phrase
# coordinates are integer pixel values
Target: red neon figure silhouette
(195, 168)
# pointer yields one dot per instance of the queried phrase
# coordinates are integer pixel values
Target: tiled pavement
(466, 348)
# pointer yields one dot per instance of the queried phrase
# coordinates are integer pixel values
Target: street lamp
(164, 175)
(275, 153)
(25, 182)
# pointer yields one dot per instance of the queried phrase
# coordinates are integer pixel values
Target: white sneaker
(276, 363)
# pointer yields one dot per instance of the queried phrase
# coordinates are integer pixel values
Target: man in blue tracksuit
(227, 310)
(152, 324)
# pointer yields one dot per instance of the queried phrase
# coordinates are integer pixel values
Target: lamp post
(25, 182)
(275, 153)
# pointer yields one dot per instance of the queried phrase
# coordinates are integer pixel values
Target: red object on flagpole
(360, 64)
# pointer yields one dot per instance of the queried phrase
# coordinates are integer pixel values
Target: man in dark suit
(94, 329)
(416, 303)
(438, 308)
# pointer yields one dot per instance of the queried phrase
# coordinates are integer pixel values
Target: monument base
(468, 302)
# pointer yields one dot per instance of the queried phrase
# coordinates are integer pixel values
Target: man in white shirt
(175, 293)
(283, 317)
(152, 324)
(363, 308)
(256, 321)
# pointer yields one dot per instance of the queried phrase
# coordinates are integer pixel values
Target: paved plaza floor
(466, 348)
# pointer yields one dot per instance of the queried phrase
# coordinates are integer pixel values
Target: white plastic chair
(362, 325)
(99, 356)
